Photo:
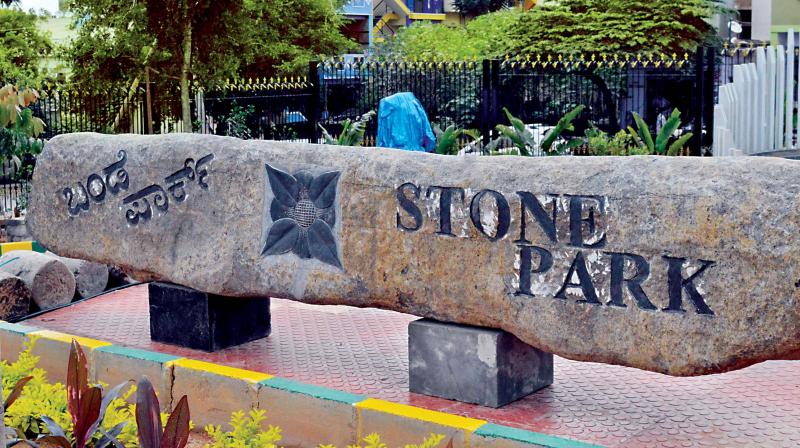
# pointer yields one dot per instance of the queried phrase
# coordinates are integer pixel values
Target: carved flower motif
(303, 215)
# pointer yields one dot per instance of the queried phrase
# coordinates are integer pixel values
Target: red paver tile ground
(365, 351)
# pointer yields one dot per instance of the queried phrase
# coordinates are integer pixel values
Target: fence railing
(756, 109)
(14, 188)
(470, 94)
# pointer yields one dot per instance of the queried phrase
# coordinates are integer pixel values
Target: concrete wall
(770, 18)
(15, 230)
(762, 19)
(785, 13)
(785, 16)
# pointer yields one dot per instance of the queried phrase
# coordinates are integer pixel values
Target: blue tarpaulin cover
(403, 124)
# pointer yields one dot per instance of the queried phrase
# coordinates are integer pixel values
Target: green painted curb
(17, 328)
(313, 391)
(36, 247)
(521, 435)
(135, 353)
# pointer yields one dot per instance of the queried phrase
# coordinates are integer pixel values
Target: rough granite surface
(684, 266)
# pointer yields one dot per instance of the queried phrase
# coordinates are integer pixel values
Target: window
(746, 20)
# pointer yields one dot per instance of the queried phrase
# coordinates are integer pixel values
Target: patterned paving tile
(364, 351)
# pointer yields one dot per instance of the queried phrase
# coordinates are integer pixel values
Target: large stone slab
(684, 266)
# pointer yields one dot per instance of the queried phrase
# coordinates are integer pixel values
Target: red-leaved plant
(16, 391)
(148, 418)
(87, 408)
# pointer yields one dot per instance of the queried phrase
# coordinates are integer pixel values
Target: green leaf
(327, 137)
(515, 122)
(447, 140)
(679, 144)
(670, 126)
(644, 132)
(564, 124)
(635, 136)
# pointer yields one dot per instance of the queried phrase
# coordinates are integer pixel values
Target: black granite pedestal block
(477, 365)
(190, 318)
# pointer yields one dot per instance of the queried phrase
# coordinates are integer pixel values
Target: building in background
(55, 20)
(391, 15)
(360, 13)
(766, 20)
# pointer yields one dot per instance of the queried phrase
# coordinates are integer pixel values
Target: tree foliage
(485, 36)
(567, 26)
(477, 7)
(111, 43)
(22, 46)
(570, 26)
(118, 38)
(288, 34)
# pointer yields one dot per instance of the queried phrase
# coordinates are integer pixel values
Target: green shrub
(485, 36)
(374, 441)
(525, 142)
(236, 121)
(42, 398)
(247, 432)
(566, 27)
(599, 143)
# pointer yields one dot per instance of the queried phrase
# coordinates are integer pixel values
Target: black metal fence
(469, 94)
(611, 88)
(14, 188)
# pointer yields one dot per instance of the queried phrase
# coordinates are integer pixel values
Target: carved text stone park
(674, 265)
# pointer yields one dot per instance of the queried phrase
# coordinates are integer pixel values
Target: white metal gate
(755, 112)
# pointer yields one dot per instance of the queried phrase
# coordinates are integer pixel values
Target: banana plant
(352, 131)
(526, 142)
(564, 124)
(521, 137)
(447, 139)
(663, 142)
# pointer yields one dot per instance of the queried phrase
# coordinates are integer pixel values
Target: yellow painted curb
(20, 245)
(218, 369)
(67, 338)
(413, 412)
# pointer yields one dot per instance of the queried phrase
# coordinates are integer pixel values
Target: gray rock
(15, 297)
(16, 229)
(472, 364)
(684, 266)
(50, 281)
(90, 278)
(117, 278)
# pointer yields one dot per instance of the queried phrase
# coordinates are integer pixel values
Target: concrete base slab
(474, 365)
(365, 352)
